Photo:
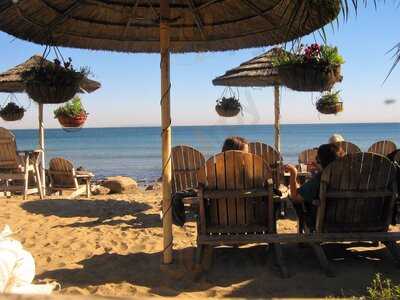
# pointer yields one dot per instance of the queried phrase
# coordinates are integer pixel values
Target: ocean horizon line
(217, 125)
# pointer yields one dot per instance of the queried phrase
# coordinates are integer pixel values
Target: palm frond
(396, 58)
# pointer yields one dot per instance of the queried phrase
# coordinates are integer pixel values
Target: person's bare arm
(293, 184)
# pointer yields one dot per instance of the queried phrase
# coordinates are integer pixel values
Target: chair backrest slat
(348, 147)
(62, 173)
(383, 147)
(236, 171)
(367, 173)
(272, 157)
(308, 156)
(8, 150)
(186, 162)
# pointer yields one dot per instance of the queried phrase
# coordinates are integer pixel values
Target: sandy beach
(110, 245)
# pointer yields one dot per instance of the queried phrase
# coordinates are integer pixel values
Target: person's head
(236, 143)
(327, 153)
(335, 138)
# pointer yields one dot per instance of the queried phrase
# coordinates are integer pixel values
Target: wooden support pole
(41, 147)
(166, 129)
(277, 119)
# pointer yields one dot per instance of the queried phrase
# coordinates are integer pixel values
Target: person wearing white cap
(335, 138)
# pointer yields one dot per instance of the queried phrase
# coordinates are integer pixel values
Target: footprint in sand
(124, 246)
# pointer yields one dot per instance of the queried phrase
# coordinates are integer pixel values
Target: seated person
(337, 138)
(235, 143)
(303, 196)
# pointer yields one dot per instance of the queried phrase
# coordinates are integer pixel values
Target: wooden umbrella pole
(277, 119)
(166, 129)
(41, 146)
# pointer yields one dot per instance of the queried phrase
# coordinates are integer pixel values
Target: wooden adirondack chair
(64, 177)
(186, 162)
(19, 170)
(383, 147)
(236, 203)
(348, 147)
(272, 157)
(357, 196)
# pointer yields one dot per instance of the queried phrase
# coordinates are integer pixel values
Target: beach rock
(100, 190)
(153, 187)
(120, 184)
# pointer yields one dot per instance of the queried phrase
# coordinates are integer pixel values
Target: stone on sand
(120, 184)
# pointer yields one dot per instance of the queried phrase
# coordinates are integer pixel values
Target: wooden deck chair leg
(26, 185)
(323, 260)
(199, 256)
(280, 260)
(38, 181)
(208, 257)
(394, 250)
(88, 188)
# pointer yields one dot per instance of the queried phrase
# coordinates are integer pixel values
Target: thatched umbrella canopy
(164, 26)
(257, 72)
(11, 82)
(195, 25)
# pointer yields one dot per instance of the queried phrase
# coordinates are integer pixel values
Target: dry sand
(110, 245)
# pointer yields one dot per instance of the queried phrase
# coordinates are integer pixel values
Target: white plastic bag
(17, 268)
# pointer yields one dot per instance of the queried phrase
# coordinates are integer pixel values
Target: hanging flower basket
(42, 92)
(329, 104)
(309, 77)
(228, 107)
(314, 68)
(53, 83)
(72, 122)
(12, 112)
(72, 114)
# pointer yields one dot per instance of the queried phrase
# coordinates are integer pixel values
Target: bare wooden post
(277, 120)
(166, 129)
(41, 146)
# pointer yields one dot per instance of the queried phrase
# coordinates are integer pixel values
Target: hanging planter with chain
(72, 114)
(55, 82)
(314, 68)
(12, 111)
(228, 105)
(329, 103)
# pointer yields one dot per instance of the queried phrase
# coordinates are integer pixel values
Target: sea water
(136, 151)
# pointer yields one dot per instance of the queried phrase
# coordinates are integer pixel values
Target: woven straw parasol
(11, 82)
(164, 26)
(257, 72)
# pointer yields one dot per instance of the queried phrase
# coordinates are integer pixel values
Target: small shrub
(383, 289)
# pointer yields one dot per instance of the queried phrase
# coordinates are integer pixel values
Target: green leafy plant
(313, 54)
(383, 289)
(71, 109)
(55, 74)
(11, 107)
(229, 103)
(330, 97)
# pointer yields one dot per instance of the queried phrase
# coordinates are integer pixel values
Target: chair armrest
(83, 174)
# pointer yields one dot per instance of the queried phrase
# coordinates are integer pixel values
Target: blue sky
(131, 82)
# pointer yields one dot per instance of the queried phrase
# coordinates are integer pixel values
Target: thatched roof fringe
(196, 26)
